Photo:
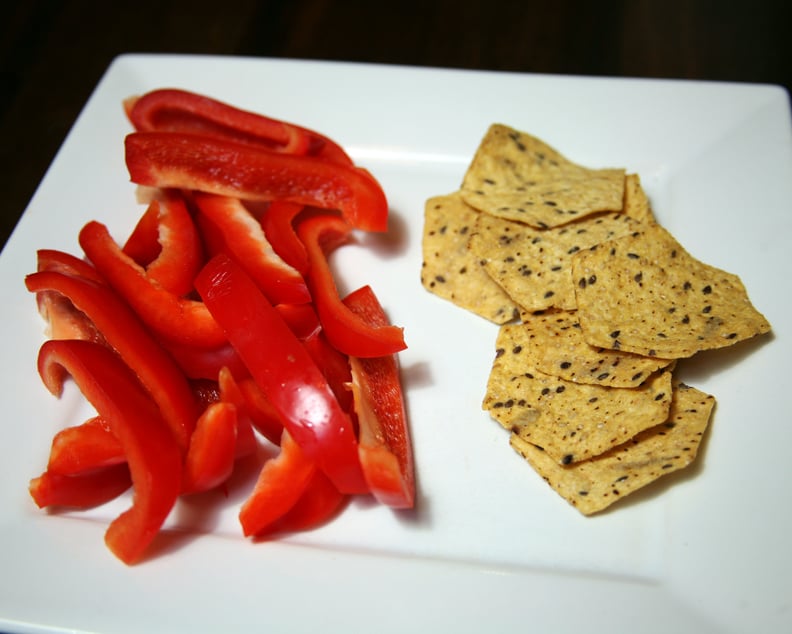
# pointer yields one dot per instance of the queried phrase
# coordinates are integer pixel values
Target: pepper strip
(277, 222)
(81, 491)
(384, 436)
(344, 329)
(281, 483)
(284, 371)
(201, 163)
(244, 240)
(210, 458)
(152, 454)
(180, 255)
(172, 110)
(84, 447)
(123, 331)
(170, 316)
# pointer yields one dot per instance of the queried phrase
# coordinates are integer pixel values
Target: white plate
(490, 546)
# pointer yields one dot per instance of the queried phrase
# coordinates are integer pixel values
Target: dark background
(52, 53)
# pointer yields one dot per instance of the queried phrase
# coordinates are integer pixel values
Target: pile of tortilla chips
(596, 304)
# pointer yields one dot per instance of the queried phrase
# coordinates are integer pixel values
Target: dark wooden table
(53, 52)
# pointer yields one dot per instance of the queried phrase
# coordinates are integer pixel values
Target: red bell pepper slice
(84, 447)
(201, 163)
(284, 371)
(154, 458)
(210, 458)
(253, 408)
(348, 332)
(278, 224)
(124, 332)
(62, 262)
(319, 503)
(205, 363)
(143, 244)
(243, 239)
(173, 110)
(80, 491)
(179, 251)
(384, 436)
(174, 318)
(281, 482)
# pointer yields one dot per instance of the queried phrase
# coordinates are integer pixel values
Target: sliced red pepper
(384, 436)
(152, 454)
(210, 458)
(277, 221)
(348, 332)
(253, 408)
(80, 491)
(284, 371)
(182, 111)
(62, 262)
(281, 483)
(180, 254)
(170, 316)
(318, 504)
(201, 163)
(205, 363)
(173, 110)
(84, 447)
(244, 240)
(124, 332)
(143, 244)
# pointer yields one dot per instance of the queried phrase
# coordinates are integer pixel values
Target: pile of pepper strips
(217, 323)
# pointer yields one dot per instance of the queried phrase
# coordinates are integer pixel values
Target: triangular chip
(516, 176)
(534, 266)
(450, 270)
(572, 422)
(595, 484)
(636, 202)
(645, 294)
(555, 346)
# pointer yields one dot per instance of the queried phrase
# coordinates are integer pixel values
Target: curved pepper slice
(253, 408)
(281, 483)
(384, 436)
(243, 239)
(62, 262)
(284, 371)
(210, 458)
(173, 110)
(347, 331)
(170, 316)
(318, 504)
(277, 222)
(152, 454)
(201, 163)
(179, 251)
(84, 447)
(124, 332)
(81, 491)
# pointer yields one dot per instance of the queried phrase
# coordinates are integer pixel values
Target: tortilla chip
(645, 294)
(571, 421)
(595, 484)
(533, 265)
(516, 176)
(555, 346)
(636, 202)
(450, 270)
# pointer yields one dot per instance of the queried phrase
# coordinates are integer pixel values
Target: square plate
(490, 544)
